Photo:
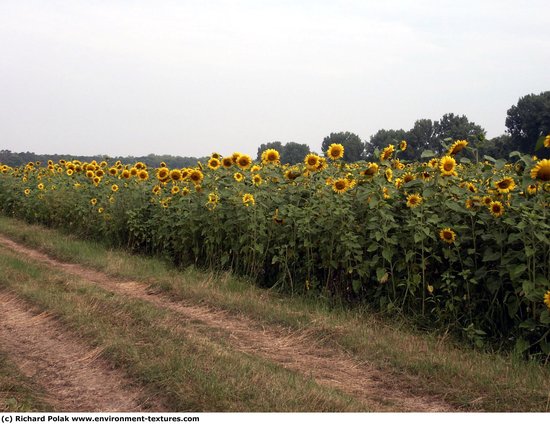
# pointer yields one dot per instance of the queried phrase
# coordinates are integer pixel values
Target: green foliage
(528, 121)
(362, 242)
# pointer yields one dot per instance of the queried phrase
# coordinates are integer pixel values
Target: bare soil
(297, 351)
(73, 375)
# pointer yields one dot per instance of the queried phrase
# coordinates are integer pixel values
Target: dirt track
(297, 351)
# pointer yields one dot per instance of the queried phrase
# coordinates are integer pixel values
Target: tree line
(526, 123)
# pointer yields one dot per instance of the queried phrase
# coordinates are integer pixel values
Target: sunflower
(162, 164)
(185, 173)
(496, 208)
(248, 199)
(89, 174)
(335, 151)
(213, 198)
(175, 175)
(433, 163)
(322, 164)
(447, 235)
(403, 145)
(541, 170)
(70, 172)
(27, 191)
(235, 156)
(143, 175)
(408, 177)
(244, 161)
(93, 201)
(340, 185)
(386, 193)
(214, 163)
(113, 171)
(99, 173)
(532, 189)
(196, 176)
(125, 174)
(547, 299)
(398, 183)
(387, 152)
(487, 200)
(292, 173)
(114, 187)
(96, 180)
(371, 170)
(257, 180)
(271, 156)
(163, 174)
(40, 186)
(505, 185)
(397, 165)
(255, 168)
(389, 174)
(184, 191)
(457, 147)
(311, 161)
(239, 177)
(471, 187)
(227, 162)
(175, 189)
(414, 200)
(447, 166)
(547, 141)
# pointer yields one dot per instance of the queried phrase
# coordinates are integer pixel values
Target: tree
(270, 145)
(353, 146)
(381, 139)
(529, 120)
(294, 153)
(458, 128)
(420, 138)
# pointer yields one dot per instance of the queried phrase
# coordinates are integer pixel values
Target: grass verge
(429, 363)
(175, 361)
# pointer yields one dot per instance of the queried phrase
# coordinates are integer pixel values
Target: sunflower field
(457, 244)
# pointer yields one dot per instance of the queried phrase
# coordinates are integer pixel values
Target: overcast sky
(192, 77)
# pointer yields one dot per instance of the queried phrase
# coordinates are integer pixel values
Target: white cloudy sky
(189, 77)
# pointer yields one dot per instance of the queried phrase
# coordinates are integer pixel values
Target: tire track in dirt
(74, 376)
(297, 351)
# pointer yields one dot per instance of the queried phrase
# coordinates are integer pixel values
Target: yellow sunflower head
(447, 235)
(335, 151)
(143, 175)
(505, 185)
(541, 171)
(414, 200)
(248, 200)
(496, 208)
(371, 170)
(257, 180)
(547, 299)
(239, 177)
(340, 185)
(457, 147)
(271, 156)
(175, 175)
(389, 174)
(227, 162)
(196, 176)
(163, 173)
(547, 141)
(125, 174)
(244, 161)
(403, 145)
(387, 152)
(447, 166)
(214, 163)
(114, 187)
(311, 161)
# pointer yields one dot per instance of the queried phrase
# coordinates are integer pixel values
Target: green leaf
(427, 153)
